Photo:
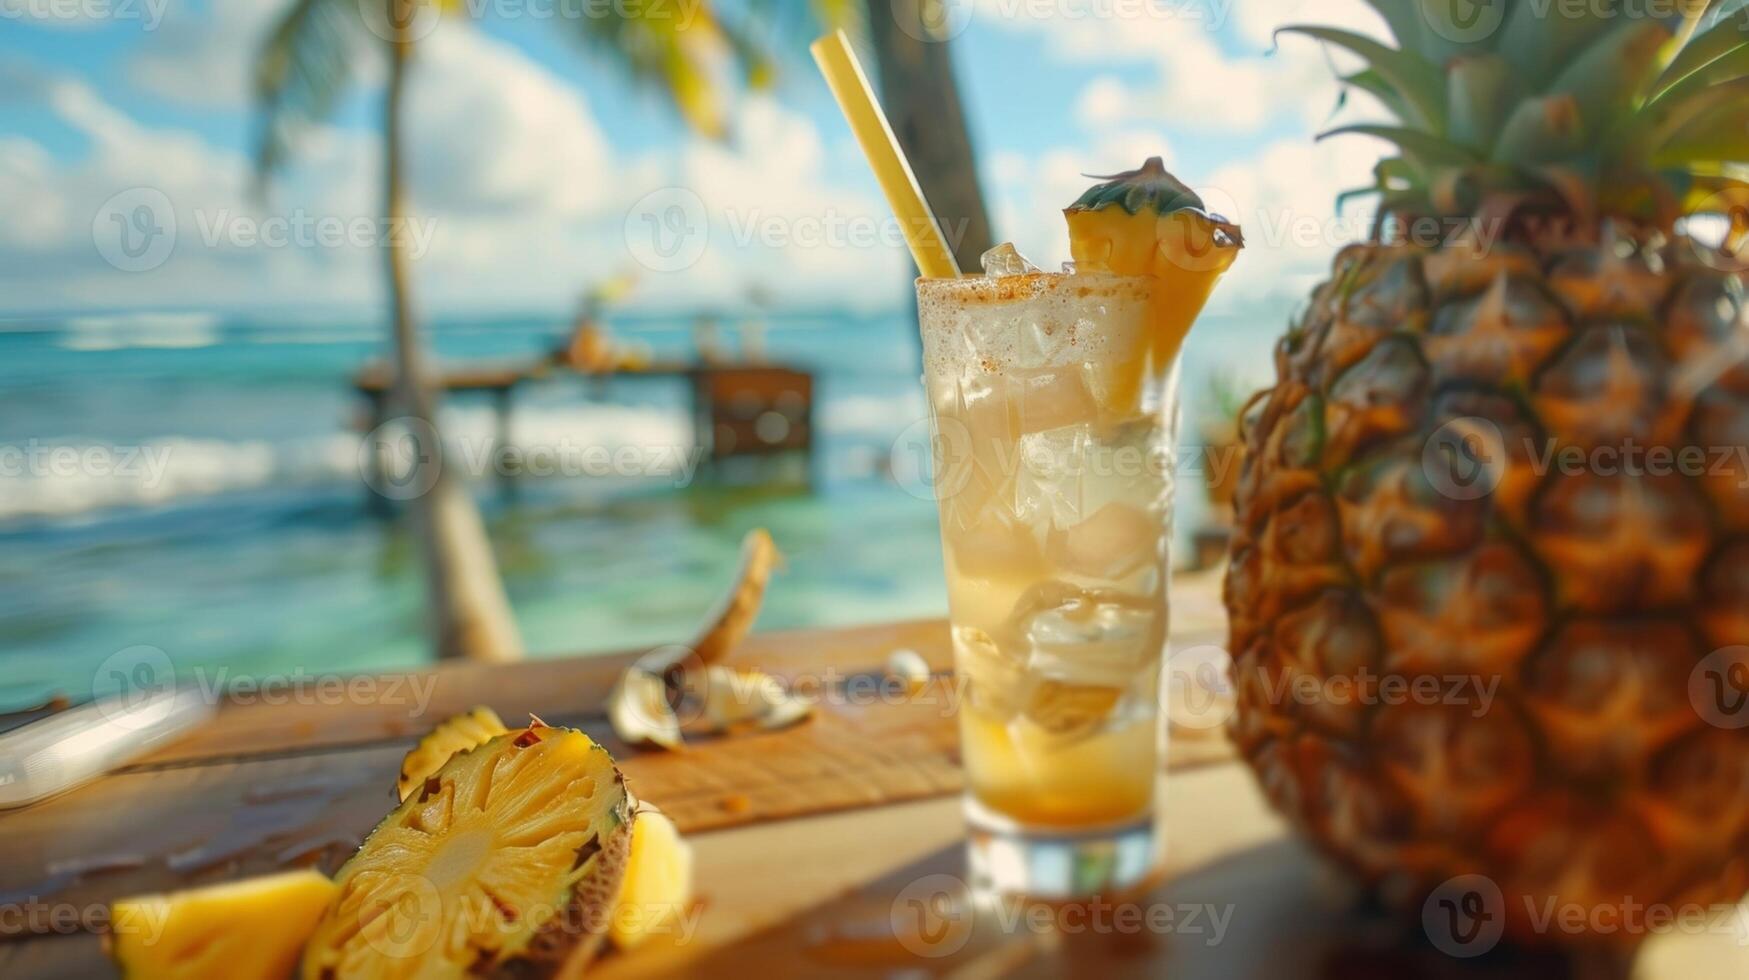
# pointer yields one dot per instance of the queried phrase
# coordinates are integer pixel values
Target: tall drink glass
(1054, 420)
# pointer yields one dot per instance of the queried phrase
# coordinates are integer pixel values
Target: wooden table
(807, 887)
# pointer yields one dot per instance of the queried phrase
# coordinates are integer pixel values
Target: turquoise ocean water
(254, 548)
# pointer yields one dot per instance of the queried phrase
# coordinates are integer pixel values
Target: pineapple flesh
(240, 930)
(505, 863)
(1408, 508)
(459, 733)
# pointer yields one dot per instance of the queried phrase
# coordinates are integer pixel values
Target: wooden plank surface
(300, 781)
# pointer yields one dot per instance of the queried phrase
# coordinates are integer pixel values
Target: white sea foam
(123, 330)
(70, 476)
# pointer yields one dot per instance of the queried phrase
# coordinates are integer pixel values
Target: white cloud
(205, 54)
(525, 198)
(1204, 76)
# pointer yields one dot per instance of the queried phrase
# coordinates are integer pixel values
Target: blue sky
(532, 156)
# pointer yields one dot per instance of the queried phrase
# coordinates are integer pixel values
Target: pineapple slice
(457, 734)
(239, 930)
(506, 862)
(1146, 223)
(658, 883)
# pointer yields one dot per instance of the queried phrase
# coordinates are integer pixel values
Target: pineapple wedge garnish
(240, 930)
(1147, 223)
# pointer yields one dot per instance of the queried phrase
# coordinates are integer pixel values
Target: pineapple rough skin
(1397, 517)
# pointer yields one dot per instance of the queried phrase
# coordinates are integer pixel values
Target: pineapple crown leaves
(1606, 109)
(1151, 188)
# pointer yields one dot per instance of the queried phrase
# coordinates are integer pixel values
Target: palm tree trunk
(469, 615)
(922, 103)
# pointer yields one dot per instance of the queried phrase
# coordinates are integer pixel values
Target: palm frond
(301, 73)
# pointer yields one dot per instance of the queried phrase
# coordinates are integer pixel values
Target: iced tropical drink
(1054, 402)
(1053, 423)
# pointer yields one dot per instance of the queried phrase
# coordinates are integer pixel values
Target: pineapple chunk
(239, 930)
(1147, 223)
(504, 863)
(658, 882)
(457, 734)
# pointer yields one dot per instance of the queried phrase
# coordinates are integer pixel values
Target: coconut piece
(909, 666)
(639, 710)
(732, 617)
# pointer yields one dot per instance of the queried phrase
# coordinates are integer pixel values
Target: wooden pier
(737, 410)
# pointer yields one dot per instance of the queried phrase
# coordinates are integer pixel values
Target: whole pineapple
(1477, 473)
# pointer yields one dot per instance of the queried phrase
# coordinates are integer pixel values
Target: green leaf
(1539, 38)
(1403, 19)
(1670, 119)
(1420, 84)
(1717, 135)
(1455, 28)
(1539, 131)
(1607, 76)
(301, 72)
(1374, 84)
(1703, 49)
(1476, 91)
(1421, 148)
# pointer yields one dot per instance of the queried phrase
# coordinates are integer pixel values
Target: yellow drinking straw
(850, 87)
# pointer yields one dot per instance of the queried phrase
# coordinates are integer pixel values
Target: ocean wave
(119, 331)
(58, 478)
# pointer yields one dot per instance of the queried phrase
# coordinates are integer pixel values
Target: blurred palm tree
(304, 68)
(921, 97)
